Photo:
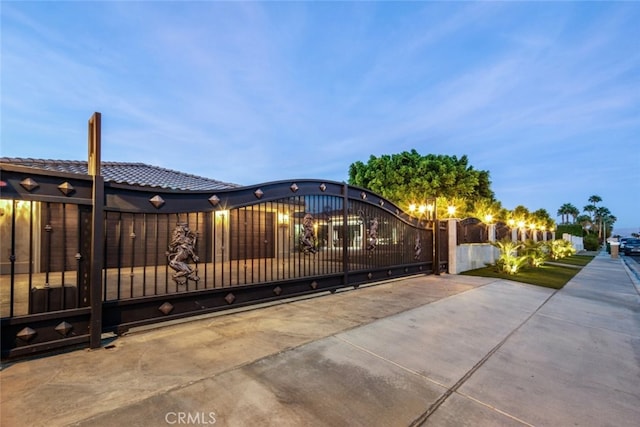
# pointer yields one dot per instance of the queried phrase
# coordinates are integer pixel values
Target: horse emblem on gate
(308, 236)
(181, 249)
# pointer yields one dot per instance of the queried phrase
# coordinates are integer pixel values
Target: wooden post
(97, 230)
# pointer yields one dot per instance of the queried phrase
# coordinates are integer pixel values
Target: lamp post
(429, 211)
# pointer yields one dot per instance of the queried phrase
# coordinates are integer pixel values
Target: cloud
(251, 92)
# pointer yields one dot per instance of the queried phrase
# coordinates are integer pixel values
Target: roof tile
(128, 173)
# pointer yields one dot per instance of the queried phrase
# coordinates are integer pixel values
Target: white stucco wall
(473, 255)
(577, 242)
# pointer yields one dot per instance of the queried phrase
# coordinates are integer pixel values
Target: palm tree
(602, 216)
(608, 222)
(584, 221)
(595, 199)
(574, 212)
(564, 213)
(591, 209)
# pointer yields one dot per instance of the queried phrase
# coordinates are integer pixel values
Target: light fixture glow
(283, 218)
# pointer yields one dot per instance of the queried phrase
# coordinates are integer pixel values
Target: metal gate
(167, 254)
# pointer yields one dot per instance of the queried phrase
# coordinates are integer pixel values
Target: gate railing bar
(345, 233)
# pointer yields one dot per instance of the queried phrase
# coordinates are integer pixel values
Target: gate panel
(169, 254)
(256, 244)
(43, 276)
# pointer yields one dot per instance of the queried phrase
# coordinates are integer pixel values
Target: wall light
(283, 219)
(22, 208)
(221, 215)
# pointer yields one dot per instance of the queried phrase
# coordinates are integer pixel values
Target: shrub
(591, 242)
(536, 252)
(561, 248)
(573, 229)
(509, 262)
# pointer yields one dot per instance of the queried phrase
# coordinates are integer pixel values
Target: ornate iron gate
(169, 254)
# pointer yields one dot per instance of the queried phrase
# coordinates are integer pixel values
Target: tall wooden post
(97, 230)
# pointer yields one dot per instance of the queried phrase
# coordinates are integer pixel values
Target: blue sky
(543, 95)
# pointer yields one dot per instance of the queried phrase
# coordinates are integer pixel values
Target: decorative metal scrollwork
(181, 249)
(373, 234)
(418, 247)
(308, 236)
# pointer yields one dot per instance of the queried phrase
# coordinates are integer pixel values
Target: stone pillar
(452, 227)
(491, 232)
(492, 238)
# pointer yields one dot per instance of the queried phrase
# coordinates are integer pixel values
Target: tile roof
(128, 173)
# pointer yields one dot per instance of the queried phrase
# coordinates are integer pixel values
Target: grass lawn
(580, 260)
(549, 276)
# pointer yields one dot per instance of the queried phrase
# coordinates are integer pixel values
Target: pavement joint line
(250, 362)
(493, 408)
(419, 421)
(588, 326)
(411, 371)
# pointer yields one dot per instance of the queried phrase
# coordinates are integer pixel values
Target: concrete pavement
(442, 351)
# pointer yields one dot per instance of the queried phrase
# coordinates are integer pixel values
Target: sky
(543, 95)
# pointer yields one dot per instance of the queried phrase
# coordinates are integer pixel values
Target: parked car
(632, 247)
(623, 243)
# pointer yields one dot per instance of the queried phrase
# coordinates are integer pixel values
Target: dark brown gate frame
(89, 322)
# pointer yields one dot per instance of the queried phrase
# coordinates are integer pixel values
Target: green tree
(564, 211)
(542, 217)
(593, 206)
(595, 199)
(601, 218)
(590, 209)
(585, 222)
(574, 212)
(568, 210)
(410, 177)
(604, 220)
